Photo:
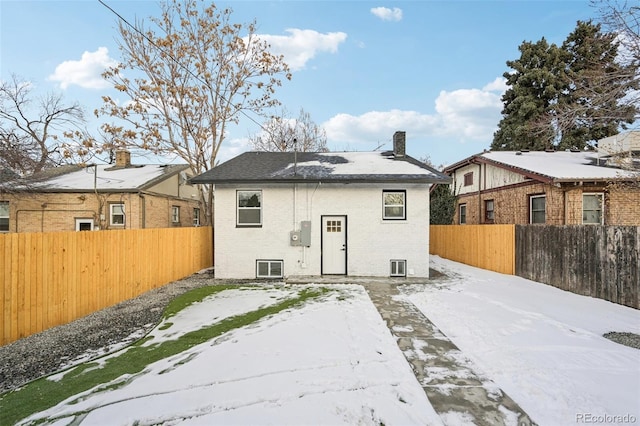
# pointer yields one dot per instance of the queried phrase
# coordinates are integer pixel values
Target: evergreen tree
(534, 87)
(442, 205)
(565, 97)
(590, 108)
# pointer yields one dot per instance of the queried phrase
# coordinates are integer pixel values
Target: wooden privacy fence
(596, 261)
(48, 279)
(489, 247)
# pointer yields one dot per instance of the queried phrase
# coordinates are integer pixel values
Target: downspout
(309, 208)
(143, 211)
(479, 193)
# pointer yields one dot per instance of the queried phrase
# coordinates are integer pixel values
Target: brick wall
(563, 204)
(43, 212)
(622, 205)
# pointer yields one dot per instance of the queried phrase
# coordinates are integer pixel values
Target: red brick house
(554, 188)
(119, 196)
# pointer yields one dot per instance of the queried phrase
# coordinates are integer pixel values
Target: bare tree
(35, 132)
(623, 18)
(195, 72)
(610, 93)
(283, 133)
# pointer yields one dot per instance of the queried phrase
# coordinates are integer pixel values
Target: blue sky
(361, 69)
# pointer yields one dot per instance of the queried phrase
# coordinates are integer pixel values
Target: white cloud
(86, 72)
(232, 148)
(387, 14)
(497, 85)
(465, 115)
(300, 46)
(375, 127)
(469, 114)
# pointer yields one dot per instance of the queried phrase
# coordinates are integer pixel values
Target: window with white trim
(398, 268)
(462, 214)
(175, 214)
(269, 268)
(592, 208)
(196, 217)
(393, 205)
(537, 209)
(489, 211)
(116, 214)
(4, 216)
(249, 206)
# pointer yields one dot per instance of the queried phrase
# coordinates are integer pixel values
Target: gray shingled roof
(287, 167)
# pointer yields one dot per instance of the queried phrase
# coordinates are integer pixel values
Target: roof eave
(595, 179)
(323, 180)
(81, 190)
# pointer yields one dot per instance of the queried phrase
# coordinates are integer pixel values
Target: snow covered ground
(330, 362)
(542, 346)
(334, 362)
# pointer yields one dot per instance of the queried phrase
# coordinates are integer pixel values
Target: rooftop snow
(333, 166)
(360, 163)
(561, 165)
(123, 178)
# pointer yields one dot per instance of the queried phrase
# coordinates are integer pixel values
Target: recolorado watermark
(606, 418)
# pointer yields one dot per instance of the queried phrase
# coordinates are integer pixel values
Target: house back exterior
(296, 214)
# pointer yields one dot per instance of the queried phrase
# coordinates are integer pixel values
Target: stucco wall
(485, 176)
(371, 241)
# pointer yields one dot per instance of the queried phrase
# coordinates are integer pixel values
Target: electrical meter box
(294, 238)
(305, 233)
(303, 236)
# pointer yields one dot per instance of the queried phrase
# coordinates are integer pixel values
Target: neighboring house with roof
(280, 214)
(554, 188)
(119, 196)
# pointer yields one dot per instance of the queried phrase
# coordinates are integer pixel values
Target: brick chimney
(123, 158)
(399, 144)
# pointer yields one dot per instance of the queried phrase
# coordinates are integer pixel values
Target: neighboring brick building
(555, 188)
(120, 196)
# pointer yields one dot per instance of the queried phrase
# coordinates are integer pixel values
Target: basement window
(269, 268)
(398, 268)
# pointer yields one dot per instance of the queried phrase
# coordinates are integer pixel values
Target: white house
(281, 214)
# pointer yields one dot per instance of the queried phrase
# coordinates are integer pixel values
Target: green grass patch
(42, 394)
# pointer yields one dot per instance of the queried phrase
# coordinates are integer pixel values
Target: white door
(334, 245)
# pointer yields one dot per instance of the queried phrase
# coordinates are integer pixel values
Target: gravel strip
(628, 339)
(89, 337)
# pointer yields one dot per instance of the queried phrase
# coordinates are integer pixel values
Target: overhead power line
(169, 55)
